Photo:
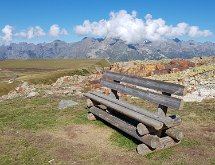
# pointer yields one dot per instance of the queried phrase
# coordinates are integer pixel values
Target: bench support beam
(149, 140)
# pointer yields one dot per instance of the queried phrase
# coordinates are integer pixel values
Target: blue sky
(23, 16)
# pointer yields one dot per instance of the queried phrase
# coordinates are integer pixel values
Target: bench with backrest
(155, 131)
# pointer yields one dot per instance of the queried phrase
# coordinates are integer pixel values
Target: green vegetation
(122, 141)
(162, 155)
(36, 114)
(49, 78)
(44, 71)
(190, 142)
(28, 128)
(5, 87)
(51, 64)
(35, 131)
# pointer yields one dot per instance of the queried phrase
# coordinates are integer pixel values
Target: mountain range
(108, 48)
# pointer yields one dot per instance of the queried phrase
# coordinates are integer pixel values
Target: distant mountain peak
(84, 38)
(147, 41)
(176, 40)
(109, 48)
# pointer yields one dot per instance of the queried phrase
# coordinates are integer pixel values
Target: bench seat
(155, 130)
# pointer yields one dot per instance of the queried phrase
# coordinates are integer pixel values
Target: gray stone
(66, 103)
(49, 92)
(33, 94)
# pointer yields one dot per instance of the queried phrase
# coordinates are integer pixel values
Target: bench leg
(91, 116)
(166, 142)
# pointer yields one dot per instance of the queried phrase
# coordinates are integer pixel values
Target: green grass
(22, 121)
(37, 113)
(213, 161)
(49, 78)
(5, 88)
(187, 142)
(44, 71)
(52, 64)
(162, 155)
(122, 141)
(182, 163)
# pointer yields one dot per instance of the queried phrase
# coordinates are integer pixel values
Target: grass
(49, 78)
(51, 64)
(36, 114)
(122, 141)
(187, 142)
(5, 88)
(25, 125)
(31, 129)
(45, 71)
(163, 155)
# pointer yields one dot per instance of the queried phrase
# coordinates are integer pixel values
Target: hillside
(108, 48)
(34, 130)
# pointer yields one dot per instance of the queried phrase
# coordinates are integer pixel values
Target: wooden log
(114, 93)
(143, 130)
(153, 97)
(166, 142)
(91, 103)
(132, 114)
(91, 117)
(149, 140)
(162, 109)
(143, 149)
(171, 88)
(169, 122)
(175, 133)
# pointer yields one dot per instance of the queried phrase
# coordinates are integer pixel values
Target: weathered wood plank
(150, 96)
(162, 110)
(132, 114)
(171, 88)
(166, 120)
(173, 132)
(91, 116)
(143, 130)
(166, 142)
(149, 140)
(114, 93)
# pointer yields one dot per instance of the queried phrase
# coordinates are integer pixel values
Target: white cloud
(32, 32)
(8, 33)
(132, 29)
(55, 31)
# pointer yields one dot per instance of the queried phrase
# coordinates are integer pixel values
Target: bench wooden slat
(166, 142)
(127, 112)
(150, 96)
(171, 88)
(150, 140)
(166, 120)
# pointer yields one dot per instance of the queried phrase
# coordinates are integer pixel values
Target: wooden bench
(155, 131)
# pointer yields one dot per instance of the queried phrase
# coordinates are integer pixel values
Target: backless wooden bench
(155, 131)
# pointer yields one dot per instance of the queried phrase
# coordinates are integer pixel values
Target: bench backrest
(163, 93)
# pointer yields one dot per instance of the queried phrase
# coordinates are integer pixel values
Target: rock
(48, 92)
(199, 95)
(160, 66)
(66, 103)
(91, 117)
(160, 72)
(32, 94)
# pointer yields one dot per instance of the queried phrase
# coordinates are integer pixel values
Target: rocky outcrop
(24, 90)
(198, 75)
(143, 69)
